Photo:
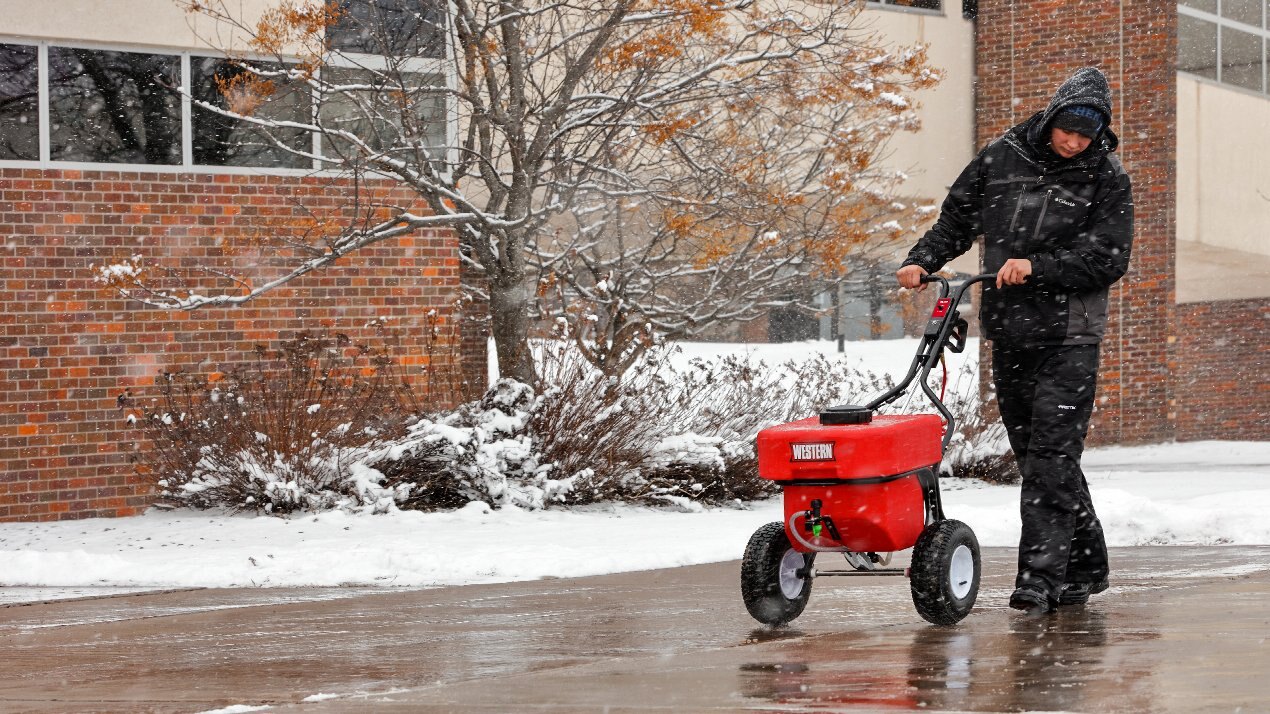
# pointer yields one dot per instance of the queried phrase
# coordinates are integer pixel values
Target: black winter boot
(1032, 601)
(1078, 593)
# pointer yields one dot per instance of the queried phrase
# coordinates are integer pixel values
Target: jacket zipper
(1018, 208)
(1084, 309)
(1044, 206)
(1018, 205)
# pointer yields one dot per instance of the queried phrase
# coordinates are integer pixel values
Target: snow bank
(1201, 493)
(1194, 494)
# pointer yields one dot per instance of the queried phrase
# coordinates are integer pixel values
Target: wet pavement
(1181, 630)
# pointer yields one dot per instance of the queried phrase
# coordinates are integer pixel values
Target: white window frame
(1224, 22)
(889, 5)
(42, 86)
(439, 66)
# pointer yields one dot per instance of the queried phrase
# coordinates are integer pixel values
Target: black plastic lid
(846, 414)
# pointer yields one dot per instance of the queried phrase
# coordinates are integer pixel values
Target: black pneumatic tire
(761, 576)
(945, 572)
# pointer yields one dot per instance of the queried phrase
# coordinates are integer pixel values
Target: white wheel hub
(790, 581)
(961, 571)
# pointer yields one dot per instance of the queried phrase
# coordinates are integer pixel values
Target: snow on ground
(1195, 493)
(882, 356)
(1198, 493)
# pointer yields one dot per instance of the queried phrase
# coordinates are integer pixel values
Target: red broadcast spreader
(865, 474)
(867, 486)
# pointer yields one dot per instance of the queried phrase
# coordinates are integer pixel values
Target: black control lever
(813, 521)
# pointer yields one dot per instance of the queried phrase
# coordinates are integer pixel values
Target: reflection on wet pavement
(1042, 664)
(1176, 633)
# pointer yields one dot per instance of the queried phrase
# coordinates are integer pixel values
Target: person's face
(1068, 143)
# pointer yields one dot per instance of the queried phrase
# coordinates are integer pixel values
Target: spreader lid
(846, 414)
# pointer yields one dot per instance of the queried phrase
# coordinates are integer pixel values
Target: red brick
(1223, 371)
(68, 347)
(1020, 62)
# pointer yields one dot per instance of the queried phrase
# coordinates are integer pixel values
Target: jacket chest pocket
(1060, 215)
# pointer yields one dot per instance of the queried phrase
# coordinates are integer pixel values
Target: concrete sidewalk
(1181, 630)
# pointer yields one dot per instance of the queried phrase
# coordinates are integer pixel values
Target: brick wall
(68, 348)
(1223, 375)
(1024, 51)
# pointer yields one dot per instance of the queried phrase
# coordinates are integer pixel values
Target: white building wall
(934, 156)
(152, 23)
(1223, 166)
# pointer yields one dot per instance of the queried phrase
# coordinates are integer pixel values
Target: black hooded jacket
(1072, 218)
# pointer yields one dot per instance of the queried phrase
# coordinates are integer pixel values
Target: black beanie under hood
(1088, 87)
(1080, 119)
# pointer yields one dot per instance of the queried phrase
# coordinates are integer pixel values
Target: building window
(1247, 12)
(220, 140)
(114, 107)
(1197, 47)
(417, 117)
(106, 106)
(1241, 59)
(388, 85)
(1225, 40)
(915, 4)
(1209, 6)
(19, 103)
(392, 28)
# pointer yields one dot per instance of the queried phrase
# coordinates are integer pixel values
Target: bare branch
(663, 163)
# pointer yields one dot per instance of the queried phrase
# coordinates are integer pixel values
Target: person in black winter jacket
(1055, 209)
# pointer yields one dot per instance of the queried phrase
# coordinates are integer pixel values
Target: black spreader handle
(934, 340)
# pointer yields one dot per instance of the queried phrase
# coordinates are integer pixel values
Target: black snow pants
(1046, 396)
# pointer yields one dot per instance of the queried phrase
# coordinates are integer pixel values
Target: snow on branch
(130, 276)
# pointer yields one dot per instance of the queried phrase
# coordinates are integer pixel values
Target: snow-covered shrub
(668, 433)
(322, 423)
(284, 432)
(595, 430)
(732, 399)
(582, 440)
(662, 434)
(482, 451)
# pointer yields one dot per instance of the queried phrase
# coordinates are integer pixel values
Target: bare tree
(740, 198)
(733, 131)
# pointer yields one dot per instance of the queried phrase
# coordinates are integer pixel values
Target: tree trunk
(509, 325)
(875, 302)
